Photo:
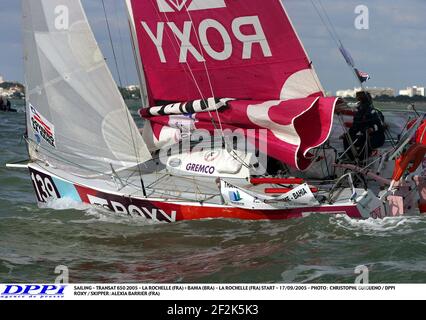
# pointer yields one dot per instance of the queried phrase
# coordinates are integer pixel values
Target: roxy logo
(192, 37)
(256, 40)
(19, 291)
(133, 209)
(190, 5)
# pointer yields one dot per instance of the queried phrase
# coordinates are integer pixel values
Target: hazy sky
(392, 50)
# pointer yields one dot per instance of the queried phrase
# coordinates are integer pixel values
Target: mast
(137, 56)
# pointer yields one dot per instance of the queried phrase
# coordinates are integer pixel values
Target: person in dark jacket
(367, 132)
(2, 106)
(8, 105)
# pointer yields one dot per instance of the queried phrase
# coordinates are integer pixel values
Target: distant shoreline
(386, 103)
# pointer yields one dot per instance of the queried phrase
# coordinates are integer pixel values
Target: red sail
(243, 49)
(288, 137)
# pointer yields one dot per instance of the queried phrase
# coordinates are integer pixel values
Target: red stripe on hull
(189, 212)
(170, 212)
(194, 213)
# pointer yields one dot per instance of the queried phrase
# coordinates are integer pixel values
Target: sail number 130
(44, 187)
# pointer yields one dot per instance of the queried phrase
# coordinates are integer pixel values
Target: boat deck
(164, 186)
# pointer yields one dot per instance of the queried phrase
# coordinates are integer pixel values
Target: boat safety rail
(363, 171)
(258, 181)
(285, 190)
(337, 184)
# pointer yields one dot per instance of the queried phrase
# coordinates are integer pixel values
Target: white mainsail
(76, 116)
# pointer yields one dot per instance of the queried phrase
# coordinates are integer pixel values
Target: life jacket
(413, 157)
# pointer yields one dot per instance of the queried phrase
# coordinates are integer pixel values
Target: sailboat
(213, 73)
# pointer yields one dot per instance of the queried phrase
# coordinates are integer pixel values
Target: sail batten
(75, 110)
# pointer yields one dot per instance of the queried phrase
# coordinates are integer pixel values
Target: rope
(205, 68)
(234, 155)
(112, 44)
(124, 107)
(124, 60)
(224, 140)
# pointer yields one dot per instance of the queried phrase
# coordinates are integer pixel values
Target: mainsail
(76, 116)
(243, 49)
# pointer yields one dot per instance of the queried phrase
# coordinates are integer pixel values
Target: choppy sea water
(99, 247)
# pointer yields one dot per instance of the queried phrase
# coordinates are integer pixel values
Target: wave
(380, 227)
(94, 214)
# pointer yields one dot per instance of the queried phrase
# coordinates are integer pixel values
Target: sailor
(367, 132)
(8, 105)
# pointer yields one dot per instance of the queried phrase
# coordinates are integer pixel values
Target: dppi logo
(33, 291)
(179, 5)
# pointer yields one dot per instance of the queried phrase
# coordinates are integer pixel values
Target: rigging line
(177, 55)
(189, 69)
(56, 156)
(224, 140)
(124, 61)
(329, 20)
(379, 158)
(308, 59)
(332, 31)
(350, 140)
(194, 79)
(205, 67)
(175, 48)
(193, 76)
(186, 62)
(129, 184)
(126, 110)
(111, 43)
(36, 146)
(333, 36)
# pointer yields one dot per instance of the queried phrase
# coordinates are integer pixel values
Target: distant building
(350, 93)
(1, 79)
(375, 92)
(132, 87)
(413, 91)
(14, 91)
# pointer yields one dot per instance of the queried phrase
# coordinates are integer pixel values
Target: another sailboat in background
(231, 70)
